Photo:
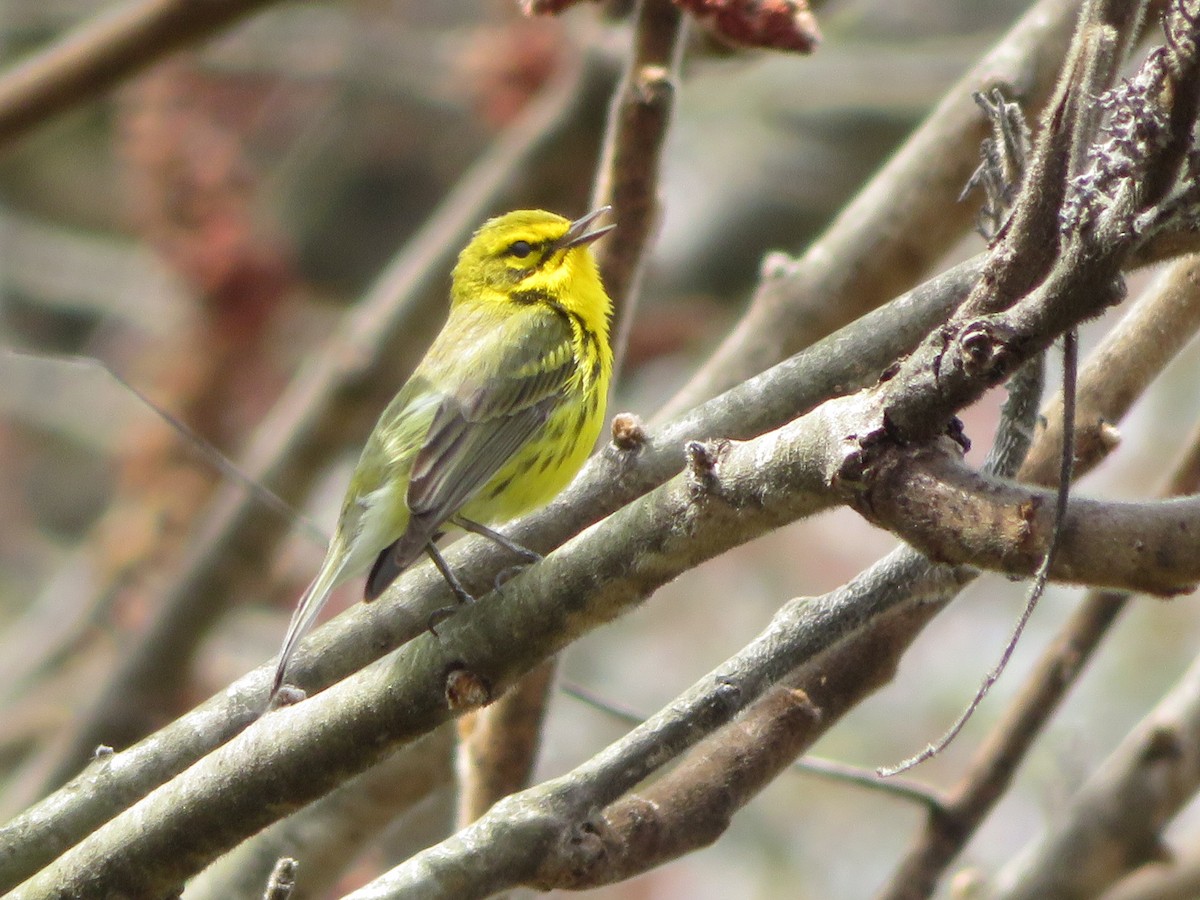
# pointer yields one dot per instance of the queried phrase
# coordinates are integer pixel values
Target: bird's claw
(438, 616)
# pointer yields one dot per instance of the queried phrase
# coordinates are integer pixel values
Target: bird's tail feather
(307, 610)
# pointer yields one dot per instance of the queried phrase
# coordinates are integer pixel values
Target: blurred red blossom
(766, 24)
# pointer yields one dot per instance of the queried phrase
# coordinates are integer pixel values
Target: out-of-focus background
(202, 228)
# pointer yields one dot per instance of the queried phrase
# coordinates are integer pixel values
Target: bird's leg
(460, 593)
(496, 537)
(530, 556)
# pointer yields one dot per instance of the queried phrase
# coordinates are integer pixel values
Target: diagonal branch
(1114, 823)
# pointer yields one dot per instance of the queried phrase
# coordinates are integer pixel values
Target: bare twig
(902, 788)
(1040, 578)
(629, 170)
(912, 791)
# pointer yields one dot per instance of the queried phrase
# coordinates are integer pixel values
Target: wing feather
(478, 427)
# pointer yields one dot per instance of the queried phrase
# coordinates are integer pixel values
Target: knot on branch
(703, 466)
(652, 86)
(628, 433)
(1164, 745)
(985, 351)
(581, 858)
(861, 452)
(466, 690)
(777, 264)
(727, 693)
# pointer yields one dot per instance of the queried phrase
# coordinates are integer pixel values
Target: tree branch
(953, 514)
(1114, 823)
(328, 836)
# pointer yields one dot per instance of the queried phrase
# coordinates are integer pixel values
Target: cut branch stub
(466, 690)
(628, 432)
(703, 466)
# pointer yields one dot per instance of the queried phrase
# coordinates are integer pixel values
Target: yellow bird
(495, 420)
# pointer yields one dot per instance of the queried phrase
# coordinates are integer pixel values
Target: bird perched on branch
(495, 420)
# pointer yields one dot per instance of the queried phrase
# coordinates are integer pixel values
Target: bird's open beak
(578, 233)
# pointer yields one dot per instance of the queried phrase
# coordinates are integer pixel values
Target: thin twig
(191, 439)
(905, 789)
(1040, 579)
(901, 788)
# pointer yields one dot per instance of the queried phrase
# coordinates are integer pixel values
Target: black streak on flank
(500, 488)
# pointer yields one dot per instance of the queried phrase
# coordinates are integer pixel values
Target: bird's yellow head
(533, 256)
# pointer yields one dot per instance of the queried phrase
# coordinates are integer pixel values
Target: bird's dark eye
(520, 249)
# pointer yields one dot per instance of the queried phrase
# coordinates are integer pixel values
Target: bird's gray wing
(476, 430)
